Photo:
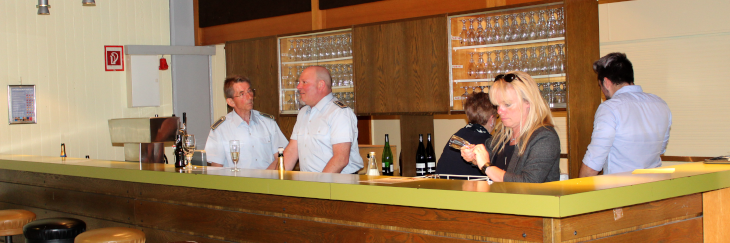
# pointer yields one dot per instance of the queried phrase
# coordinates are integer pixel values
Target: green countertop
(553, 199)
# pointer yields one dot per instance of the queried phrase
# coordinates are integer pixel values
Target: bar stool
(53, 230)
(111, 235)
(12, 222)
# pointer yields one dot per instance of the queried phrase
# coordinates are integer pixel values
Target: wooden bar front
(168, 213)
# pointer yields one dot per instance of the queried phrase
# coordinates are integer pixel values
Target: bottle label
(420, 166)
(391, 169)
(431, 167)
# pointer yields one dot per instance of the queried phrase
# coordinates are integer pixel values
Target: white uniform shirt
(259, 140)
(630, 131)
(321, 126)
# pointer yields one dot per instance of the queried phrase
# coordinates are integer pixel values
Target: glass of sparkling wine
(189, 144)
(235, 149)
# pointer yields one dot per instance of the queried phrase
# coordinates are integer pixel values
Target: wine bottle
(178, 152)
(420, 157)
(430, 157)
(387, 159)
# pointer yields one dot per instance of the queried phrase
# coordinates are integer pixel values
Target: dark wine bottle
(420, 157)
(387, 159)
(430, 157)
(178, 153)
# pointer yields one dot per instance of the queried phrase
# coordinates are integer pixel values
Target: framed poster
(114, 58)
(21, 104)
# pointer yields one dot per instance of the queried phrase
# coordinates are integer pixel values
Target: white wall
(680, 50)
(62, 54)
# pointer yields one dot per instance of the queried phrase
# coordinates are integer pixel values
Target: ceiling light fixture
(88, 3)
(43, 7)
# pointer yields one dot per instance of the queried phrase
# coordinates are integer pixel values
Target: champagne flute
(189, 145)
(235, 149)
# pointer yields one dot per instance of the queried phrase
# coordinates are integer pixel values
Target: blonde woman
(524, 146)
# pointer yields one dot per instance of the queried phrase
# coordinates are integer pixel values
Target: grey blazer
(540, 162)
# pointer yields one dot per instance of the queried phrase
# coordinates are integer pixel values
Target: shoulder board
(218, 123)
(339, 103)
(267, 116)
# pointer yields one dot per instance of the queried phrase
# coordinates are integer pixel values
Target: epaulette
(339, 103)
(218, 123)
(267, 116)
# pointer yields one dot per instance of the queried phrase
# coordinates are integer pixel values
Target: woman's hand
(476, 154)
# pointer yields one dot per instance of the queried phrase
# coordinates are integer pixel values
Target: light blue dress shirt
(630, 131)
(259, 140)
(321, 126)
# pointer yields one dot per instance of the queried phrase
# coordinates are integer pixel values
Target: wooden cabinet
(485, 44)
(330, 49)
(401, 67)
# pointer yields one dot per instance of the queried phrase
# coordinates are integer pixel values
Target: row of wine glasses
(551, 60)
(532, 25)
(482, 88)
(341, 75)
(318, 48)
(294, 101)
(553, 92)
(346, 97)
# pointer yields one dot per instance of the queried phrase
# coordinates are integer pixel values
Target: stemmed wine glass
(235, 149)
(489, 32)
(489, 66)
(292, 52)
(471, 71)
(533, 26)
(497, 31)
(515, 29)
(481, 71)
(498, 62)
(471, 35)
(480, 32)
(464, 34)
(506, 62)
(524, 28)
(506, 29)
(189, 146)
(541, 25)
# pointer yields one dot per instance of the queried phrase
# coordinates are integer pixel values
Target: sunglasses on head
(511, 77)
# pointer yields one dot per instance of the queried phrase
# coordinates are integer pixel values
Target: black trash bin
(53, 230)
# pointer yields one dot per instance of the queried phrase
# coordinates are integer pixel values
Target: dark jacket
(451, 161)
(540, 162)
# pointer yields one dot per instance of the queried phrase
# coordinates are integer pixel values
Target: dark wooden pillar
(410, 127)
(584, 96)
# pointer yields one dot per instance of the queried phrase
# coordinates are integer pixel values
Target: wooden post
(584, 96)
(410, 127)
(318, 16)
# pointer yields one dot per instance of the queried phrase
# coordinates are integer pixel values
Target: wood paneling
(582, 49)
(364, 135)
(88, 204)
(632, 218)
(401, 67)
(257, 60)
(410, 127)
(683, 231)
(447, 221)
(716, 212)
(291, 23)
(81, 184)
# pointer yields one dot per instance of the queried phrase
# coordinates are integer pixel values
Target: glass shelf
(317, 61)
(510, 43)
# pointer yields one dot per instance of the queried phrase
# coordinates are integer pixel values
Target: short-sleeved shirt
(259, 140)
(321, 126)
(630, 131)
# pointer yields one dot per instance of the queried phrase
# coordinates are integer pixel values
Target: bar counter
(368, 208)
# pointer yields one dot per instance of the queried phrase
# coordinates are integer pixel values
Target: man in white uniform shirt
(631, 128)
(325, 135)
(258, 134)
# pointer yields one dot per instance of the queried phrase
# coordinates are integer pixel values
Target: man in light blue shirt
(257, 133)
(325, 135)
(631, 128)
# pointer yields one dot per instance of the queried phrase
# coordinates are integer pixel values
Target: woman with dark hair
(481, 115)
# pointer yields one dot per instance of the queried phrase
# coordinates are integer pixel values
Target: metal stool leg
(9, 239)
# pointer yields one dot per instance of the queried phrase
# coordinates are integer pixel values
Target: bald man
(325, 135)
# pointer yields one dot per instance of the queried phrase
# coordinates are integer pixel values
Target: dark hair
(616, 67)
(478, 108)
(230, 81)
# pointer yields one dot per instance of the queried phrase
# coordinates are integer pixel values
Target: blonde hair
(539, 114)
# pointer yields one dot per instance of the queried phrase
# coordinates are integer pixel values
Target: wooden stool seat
(111, 235)
(13, 220)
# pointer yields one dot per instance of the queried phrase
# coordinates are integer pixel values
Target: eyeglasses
(511, 77)
(250, 92)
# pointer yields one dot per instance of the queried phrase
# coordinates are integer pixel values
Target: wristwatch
(484, 168)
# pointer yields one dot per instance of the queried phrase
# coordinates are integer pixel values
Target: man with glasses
(631, 128)
(258, 134)
(325, 135)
